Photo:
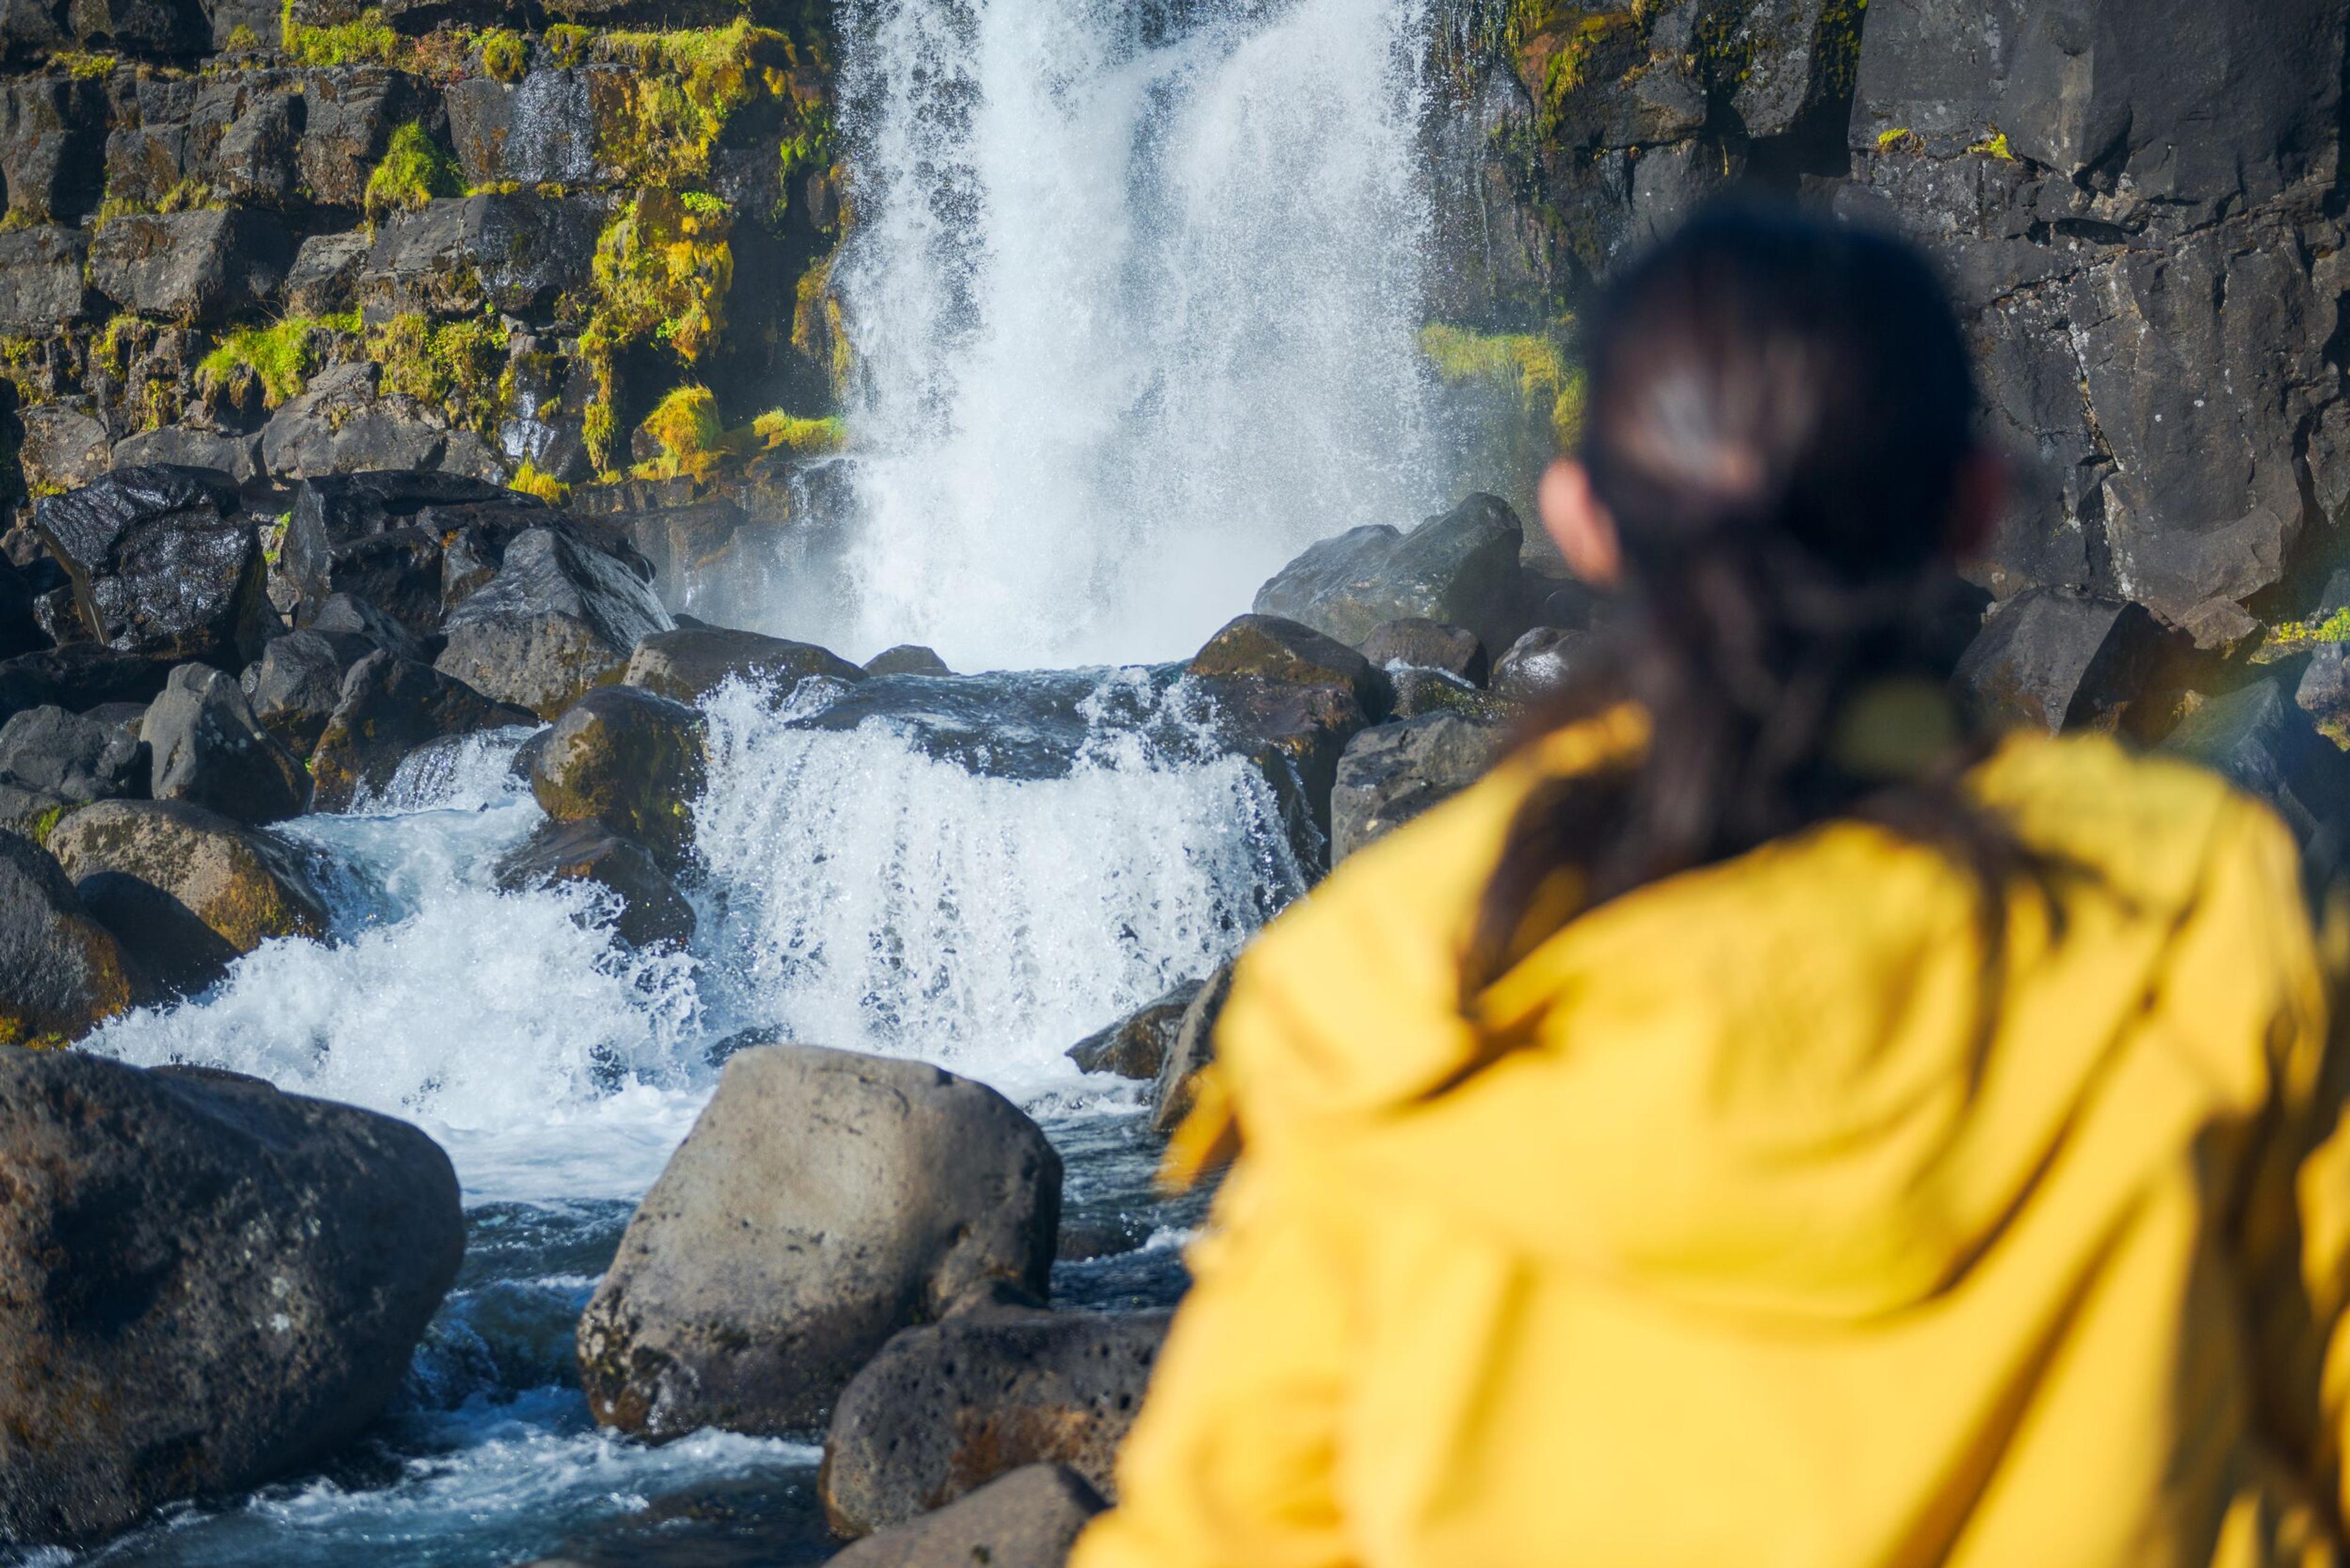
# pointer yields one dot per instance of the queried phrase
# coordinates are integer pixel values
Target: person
(1764, 1122)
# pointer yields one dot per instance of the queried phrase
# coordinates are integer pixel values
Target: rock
(652, 911)
(1460, 568)
(171, 952)
(1423, 691)
(536, 131)
(907, 658)
(948, 1407)
(558, 619)
(823, 1200)
(1537, 665)
(690, 662)
(1290, 729)
(71, 757)
(180, 446)
(1390, 774)
(162, 566)
(325, 278)
(377, 534)
(245, 883)
(52, 150)
(62, 448)
(207, 1283)
(630, 760)
(78, 677)
(513, 253)
(1418, 643)
(340, 424)
(164, 27)
(389, 707)
(298, 684)
(61, 972)
(1029, 1518)
(354, 620)
(41, 287)
(1194, 1048)
(1268, 648)
(1135, 1046)
(2051, 659)
(2260, 741)
(210, 751)
(351, 112)
(31, 812)
(203, 266)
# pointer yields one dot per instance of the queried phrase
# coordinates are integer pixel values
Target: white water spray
(1134, 318)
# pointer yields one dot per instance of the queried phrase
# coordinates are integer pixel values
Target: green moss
(1531, 365)
(85, 67)
(546, 486)
(414, 169)
(368, 38)
(280, 356)
(683, 88)
(691, 438)
(111, 349)
(661, 272)
(504, 57)
(243, 39)
(2289, 638)
(459, 365)
(817, 330)
(776, 431)
(565, 44)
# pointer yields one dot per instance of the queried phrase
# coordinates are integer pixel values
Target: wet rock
(558, 618)
(1194, 1047)
(171, 953)
(517, 253)
(78, 677)
(907, 658)
(245, 883)
(1460, 568)
(1390, 774)
(389, 707)
(948, 1407)
(162, 566)
(211, 751)
(340, 425)
(1289, 699)
(823, 1200)
(325, 278)
(2260, 741)
(1537, 665)
(1135, 1046)
(1030, 1518)
(630, 760)
(62, 448)
(1418, 643)
(368, 533)
(652, 911)
(690, 662)
(71, 757)
(148, 1353)
(52, 149)
(1268, 647)
(536, 131)
(296, 684)
(41, 286)
(61, 972)
(201, 266)
(183, 446)
(2052, 659)
(1423, 691)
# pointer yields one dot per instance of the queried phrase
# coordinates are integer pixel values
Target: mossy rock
(1291, 653)
(630, 760)
(61, 972)
(245, 884)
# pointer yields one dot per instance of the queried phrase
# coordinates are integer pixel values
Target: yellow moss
(692, 439)
(1534, 365)
(817, 330)
(683, 87)
(661, 272)
(280, 356)
(565, 44)
(504, 57)
(460, 365)
(2289, 638)
(414, 169)
(111, 348)
(243, 39)
(348, 43)
(1996, 146)
(85, 67)
(546, 486)
(777, 430)
(1900, 135)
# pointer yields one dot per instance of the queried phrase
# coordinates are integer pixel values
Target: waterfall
(1132, 299)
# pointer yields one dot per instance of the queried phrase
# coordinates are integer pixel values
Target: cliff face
(2137, 202)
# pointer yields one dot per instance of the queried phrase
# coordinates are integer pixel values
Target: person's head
(1776, 471)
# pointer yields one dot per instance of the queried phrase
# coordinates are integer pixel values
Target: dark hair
(1778, 416)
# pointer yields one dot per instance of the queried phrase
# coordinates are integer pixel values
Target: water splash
(1133, 299)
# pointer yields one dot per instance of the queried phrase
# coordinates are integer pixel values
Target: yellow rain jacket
(1788, 1238)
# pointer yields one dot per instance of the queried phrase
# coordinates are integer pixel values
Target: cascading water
(1133, 296)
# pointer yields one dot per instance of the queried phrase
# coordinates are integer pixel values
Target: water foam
(1134, 314)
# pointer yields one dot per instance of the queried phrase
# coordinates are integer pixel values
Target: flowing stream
(1133, 292)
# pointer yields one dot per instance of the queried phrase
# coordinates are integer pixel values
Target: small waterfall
(1133, 300)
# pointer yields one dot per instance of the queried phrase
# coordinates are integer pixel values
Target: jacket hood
(1800, 1082)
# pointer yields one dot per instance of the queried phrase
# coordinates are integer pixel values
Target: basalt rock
(1418, 643)
(377, 534)
(456, 255)
(201, 266)
(389, 707)
(630, 760)
(946, 1407)
(1460, 568)
(296, 684)
(1194, 1047)
(1268, 648)
(1137, 1046)
(20, 629)
(162, 566)
(62, 447)
(2266, 745)
(2051, 659)
(907, 658)
(823, 1201)
(352, 621)
(77, 678)
(1390, 774)
(182, 446)
(652, 912)
(342, 424)
(1422, 691)
(539, 130)
(61, 972)
(325, 278)
(53, 146)
(690, 662)
(41, 280)
(558, 618)
(1537, 664)
(71, 757)
(245, 883)
(1030, 1518)
(211, 751)
(171, 953)
(206, 1283)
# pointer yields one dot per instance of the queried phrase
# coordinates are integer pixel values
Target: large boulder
(1286, 652)
(1289, 699)
(205, 1283)
(343, 422)
(41, 286)
(1536, 667)
(245, 883)
(652, 909)
(1415, 643)
(71, 757)
(536, 131)
(60, 447)
(203, 266)
(515, 251)
(162, 566)
(1030, 1518)
(171, 952)
(60, 971)
(1135, 1046)
(297, 682)
(378, 535)
(2053, 659)
(950, 1406)
(323, 279)
(183, 446)
(1193, 1047)
(389, 707)
(1390, 774)
(211, 751)
(629, 760)
(77, 678)
(1460, 568)
(559, 618)
(907, 658)
(692, 661)
(823, 1201)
